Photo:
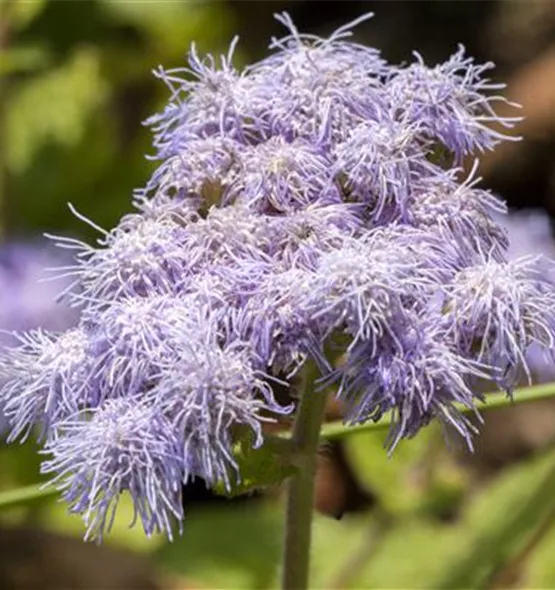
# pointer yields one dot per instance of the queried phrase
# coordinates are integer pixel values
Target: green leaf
(233, 545)
(500, 523)
(23, 59)
(410, 555)
(388, 477)
(172, 26)
(23, 12)
(261, 467)
(337, 430)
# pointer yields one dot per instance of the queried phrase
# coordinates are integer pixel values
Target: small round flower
(300, 238)
(497, 310)
(208, 395)
(126, 445)
(365, 286)
(319, 88)
(44, 379)
(379, 163)
(278, 176)
(201, 172)
(459, 212)
(141, 257)
(529, 233)
(217, 101)
(451, 103)
(278, 321)
(416, 373)
(136, 337)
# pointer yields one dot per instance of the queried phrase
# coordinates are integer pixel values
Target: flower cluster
(300, 214)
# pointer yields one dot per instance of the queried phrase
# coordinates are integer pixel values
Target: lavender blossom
(451, 102)
(530, 234)
(379, 163)
(207, 394)
(417, 373)
(126, 445)
(498, 310)
(28, 300)
(299, 215)
(45, 379)
(278, 177)
(459, 212)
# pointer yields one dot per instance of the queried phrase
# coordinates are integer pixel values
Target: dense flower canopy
(299, 213)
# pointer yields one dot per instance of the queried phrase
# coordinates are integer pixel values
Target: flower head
(45, 378)
(126, 445)
(498, 310)
(207, 394)
(451, 102)
(416, 373)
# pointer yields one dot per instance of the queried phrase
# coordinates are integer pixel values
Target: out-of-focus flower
(28, 295)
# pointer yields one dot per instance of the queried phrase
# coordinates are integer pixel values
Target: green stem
(330, 431)
(336, 430)
(10, 498)
(300, 493)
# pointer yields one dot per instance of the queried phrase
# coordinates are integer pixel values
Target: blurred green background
(75, 86)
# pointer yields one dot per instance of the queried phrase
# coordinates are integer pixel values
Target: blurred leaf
(410, 556)
(172, 26)
(391, 478)
(236, 545)
(23, 12)
(501, 521)
(540, 568)
(420, 554)
(23, 59)
(53, 107)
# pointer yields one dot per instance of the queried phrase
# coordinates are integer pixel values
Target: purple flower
(461, 213)
(319, 88)
(208, 394)
(136, 259)
(218, 101)
(299, 213)
(529, 233)
(278, 321)
(451, 103)
(201, 171)
(497, 310)
(45, 379)
(379, 163)
(300, 238)
(127, 445)
(279, 177)
(416, 373)
(135, 337)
